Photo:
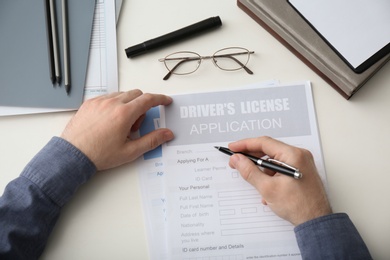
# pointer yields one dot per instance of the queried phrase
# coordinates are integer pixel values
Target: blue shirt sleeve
(331, 237)
(31, 204)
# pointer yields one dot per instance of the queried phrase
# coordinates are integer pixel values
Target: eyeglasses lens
(182, 62)
(231, 58)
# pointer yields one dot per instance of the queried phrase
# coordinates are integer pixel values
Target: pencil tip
(58, 80)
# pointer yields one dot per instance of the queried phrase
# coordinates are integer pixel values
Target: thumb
(248, 170)
(149, 142)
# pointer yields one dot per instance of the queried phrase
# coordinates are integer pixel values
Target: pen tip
(67, 88)
(216, 147)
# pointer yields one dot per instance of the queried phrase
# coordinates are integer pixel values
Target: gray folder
(24, 61)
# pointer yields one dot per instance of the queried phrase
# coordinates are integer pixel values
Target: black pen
(49, 41)
(271, 164)
(56, 50)
(173, 36)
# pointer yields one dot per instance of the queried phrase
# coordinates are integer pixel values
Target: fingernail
(232, 143)
(234, 159)
(168, 135)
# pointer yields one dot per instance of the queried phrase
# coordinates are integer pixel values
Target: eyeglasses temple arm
(170, 72)
(243, 66)
(239, 62)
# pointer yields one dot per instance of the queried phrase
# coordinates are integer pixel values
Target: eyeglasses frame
(212, 57)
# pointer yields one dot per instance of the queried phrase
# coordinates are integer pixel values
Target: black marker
(173, 36)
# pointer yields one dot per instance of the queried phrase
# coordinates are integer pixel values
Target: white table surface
(105, 218)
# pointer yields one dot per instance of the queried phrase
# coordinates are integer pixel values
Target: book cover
(280, 19)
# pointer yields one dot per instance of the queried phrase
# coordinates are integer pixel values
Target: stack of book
(280, 19)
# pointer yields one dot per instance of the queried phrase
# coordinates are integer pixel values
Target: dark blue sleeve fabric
(31, 204)
(331, 237)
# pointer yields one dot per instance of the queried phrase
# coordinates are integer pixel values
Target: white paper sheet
(356, 29)
(196, 207)
(102, 73)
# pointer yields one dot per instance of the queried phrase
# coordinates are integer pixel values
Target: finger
(138, 123)
(101, 97)
(146, 101)
(148, 142)
(268, 172)
(264, 144)
(241, 146)
(248, 170)
(111, 95)
(128, 96)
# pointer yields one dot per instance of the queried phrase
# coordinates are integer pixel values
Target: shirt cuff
(59, 169)
(319, 220)
(332, 236)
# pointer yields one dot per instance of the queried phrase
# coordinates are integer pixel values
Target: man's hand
(101, 128)
(294, 200)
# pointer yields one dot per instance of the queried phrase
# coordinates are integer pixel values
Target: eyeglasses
(187, 62)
